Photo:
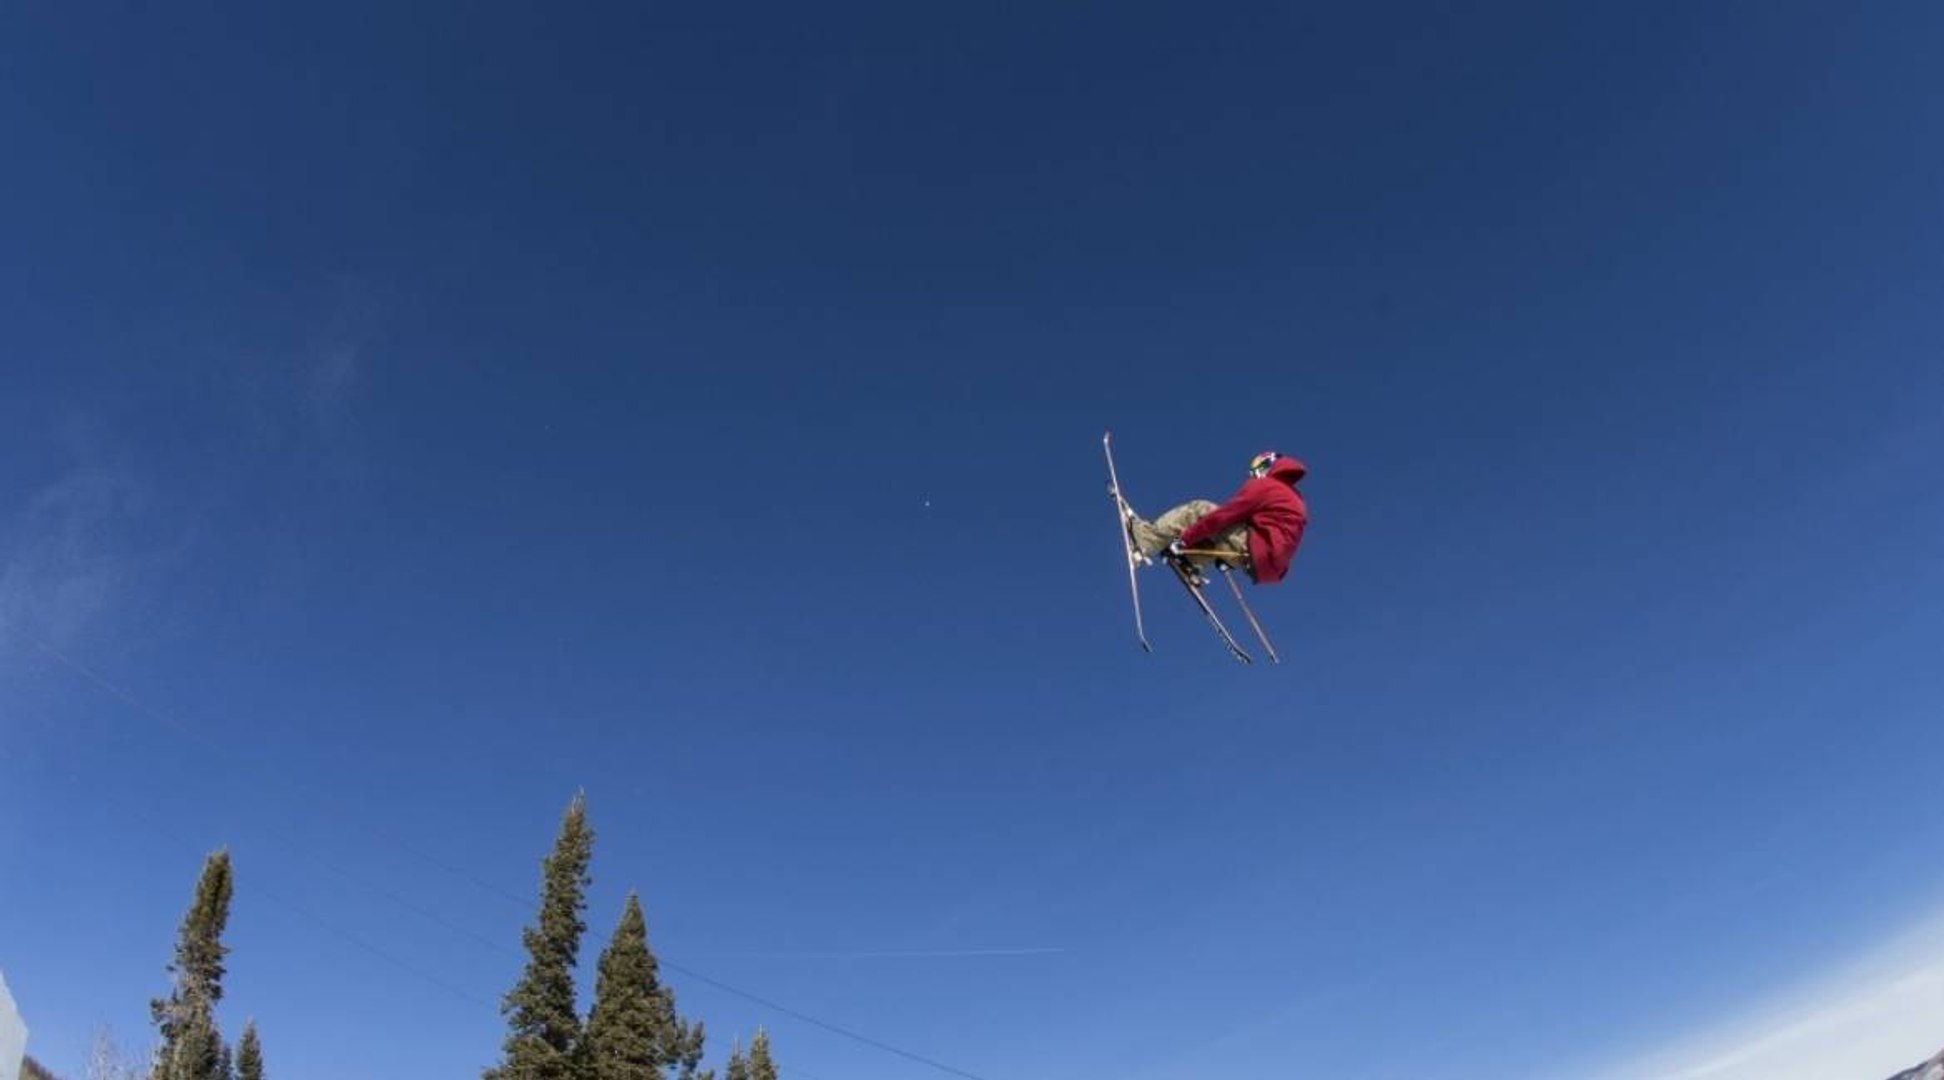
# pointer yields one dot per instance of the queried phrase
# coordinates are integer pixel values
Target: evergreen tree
(192, 1047)
(543, 1036)
(632, 1032)
(249, 1054)
(738, 1067)
(689, 1049)
(760, 1065)
(198, 1053)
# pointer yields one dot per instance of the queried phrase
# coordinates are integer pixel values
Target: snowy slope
(13, 1035)
(1929, 1070)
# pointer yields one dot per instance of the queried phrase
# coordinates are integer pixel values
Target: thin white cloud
(296, 390)
(84, 543)
(65, 553)
(1867, 1020)
(331, 377)
(334, 363)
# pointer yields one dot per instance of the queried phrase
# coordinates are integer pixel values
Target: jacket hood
(1288, 469)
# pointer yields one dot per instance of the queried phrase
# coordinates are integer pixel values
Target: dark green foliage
(197, 1053)
(192, 1047)
(633, 1033)
(688, 1054)
(249, 1054)
(543, 1027)
(32, 1070)
(761, 1067)
(738, 1067)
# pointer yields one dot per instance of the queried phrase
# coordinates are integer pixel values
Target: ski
(1135, 560)
(1185, 571)
(1208, 610)
(1249, 614)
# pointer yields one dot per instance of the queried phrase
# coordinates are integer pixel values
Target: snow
(13, 1035)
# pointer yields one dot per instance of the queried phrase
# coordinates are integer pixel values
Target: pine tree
(249, 1054)
(760, 1065)
(689, 1048)
(738, 1067)
(192, 1047)
(198, 1053)
(632, 1032)
(543, 1036)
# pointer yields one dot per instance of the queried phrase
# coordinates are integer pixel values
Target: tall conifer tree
(192, 1047)
(761, 1067)
(632, 1033)
(249, 1054)
(543, 1026)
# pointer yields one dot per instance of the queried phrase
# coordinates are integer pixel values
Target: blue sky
(415, 414)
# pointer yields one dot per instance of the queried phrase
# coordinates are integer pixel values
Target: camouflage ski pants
(1154, 537)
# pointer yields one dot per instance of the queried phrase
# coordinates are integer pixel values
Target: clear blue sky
(419, 412)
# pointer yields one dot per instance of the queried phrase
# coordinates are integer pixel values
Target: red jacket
(1273, 510)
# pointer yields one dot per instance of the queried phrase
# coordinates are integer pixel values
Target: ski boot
(1191, 571)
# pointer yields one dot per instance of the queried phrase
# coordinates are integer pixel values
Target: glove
(1177, 549)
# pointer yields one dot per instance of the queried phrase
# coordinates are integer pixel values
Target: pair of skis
(1184, 572)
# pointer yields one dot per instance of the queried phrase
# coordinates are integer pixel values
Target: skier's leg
(1234, 545)
(1153, 537)
(1230, 548)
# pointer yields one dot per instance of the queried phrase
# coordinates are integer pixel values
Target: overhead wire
(527, 904)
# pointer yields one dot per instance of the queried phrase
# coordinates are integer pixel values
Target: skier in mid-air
(1258, 530)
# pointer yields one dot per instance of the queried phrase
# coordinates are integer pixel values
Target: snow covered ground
(13, 1035)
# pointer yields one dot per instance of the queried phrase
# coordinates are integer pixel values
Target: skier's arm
(1240, 507)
